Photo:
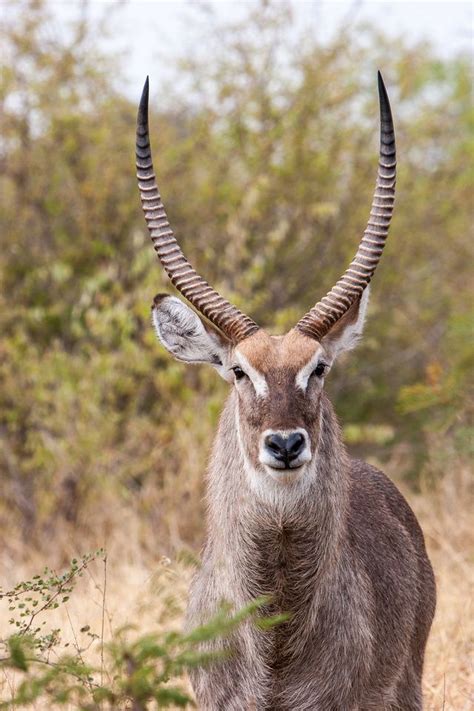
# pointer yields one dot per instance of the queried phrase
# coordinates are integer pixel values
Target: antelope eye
(319, 370)
(238, 372)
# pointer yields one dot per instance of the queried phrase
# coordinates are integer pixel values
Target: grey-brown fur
(344, 555)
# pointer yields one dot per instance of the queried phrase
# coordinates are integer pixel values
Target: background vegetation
(266, 161)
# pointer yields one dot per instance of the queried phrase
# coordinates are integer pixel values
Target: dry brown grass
(447, 520)
(139, 590)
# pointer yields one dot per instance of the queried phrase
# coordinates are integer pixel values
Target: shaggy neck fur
(269, 531)
(284, 542)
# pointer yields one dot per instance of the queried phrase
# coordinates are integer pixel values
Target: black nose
(285, 449)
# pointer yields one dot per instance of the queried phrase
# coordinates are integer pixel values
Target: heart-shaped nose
(285, 448)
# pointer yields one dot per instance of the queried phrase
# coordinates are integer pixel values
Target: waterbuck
(329, 539)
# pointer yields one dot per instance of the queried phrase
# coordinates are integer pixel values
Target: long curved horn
(317, 322)
(228, 319)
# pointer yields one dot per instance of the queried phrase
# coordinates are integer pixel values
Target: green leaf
(16, 647)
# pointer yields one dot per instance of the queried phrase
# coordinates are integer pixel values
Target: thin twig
(104, 592)
(78, 648)
(100, 604)
(54, 665)
(11, 684)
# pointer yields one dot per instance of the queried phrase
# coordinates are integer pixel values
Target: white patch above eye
(304, 374)
(258, 380)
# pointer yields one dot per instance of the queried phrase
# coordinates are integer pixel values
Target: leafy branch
(133, 671)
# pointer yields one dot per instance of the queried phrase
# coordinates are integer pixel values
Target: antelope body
(330, 540)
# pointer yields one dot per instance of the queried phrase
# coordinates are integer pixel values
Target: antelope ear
(347, 332)
(187, 337)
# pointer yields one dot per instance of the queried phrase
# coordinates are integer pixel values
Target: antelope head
(278, 379)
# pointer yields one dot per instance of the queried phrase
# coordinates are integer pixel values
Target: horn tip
(143, 106)
(384, 101)
(381, 85)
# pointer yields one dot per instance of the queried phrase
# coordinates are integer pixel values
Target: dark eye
(238, 372)
(319, 370)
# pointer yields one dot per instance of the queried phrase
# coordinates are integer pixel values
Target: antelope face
(278, 381)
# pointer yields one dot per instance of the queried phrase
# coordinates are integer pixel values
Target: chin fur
(279, 488)
(284, 477)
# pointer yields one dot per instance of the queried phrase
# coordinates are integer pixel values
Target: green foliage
(267, 165)
(29, 599)
(135, 671)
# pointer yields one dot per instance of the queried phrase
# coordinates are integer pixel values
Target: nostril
(276, 444)
(295, 444)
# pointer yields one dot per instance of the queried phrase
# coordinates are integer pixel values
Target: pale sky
(148, 31)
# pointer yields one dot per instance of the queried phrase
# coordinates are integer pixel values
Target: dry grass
(447, 520)
(139, 591)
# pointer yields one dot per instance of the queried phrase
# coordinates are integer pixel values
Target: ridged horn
(317, 322)
(228, 319)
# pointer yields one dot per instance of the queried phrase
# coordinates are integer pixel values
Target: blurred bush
(267, 162)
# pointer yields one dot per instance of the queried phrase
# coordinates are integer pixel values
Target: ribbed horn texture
(317, 322)
(232, 322)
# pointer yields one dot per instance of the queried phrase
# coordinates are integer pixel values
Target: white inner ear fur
(346, 333)
(184, 335)
(258, 380)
